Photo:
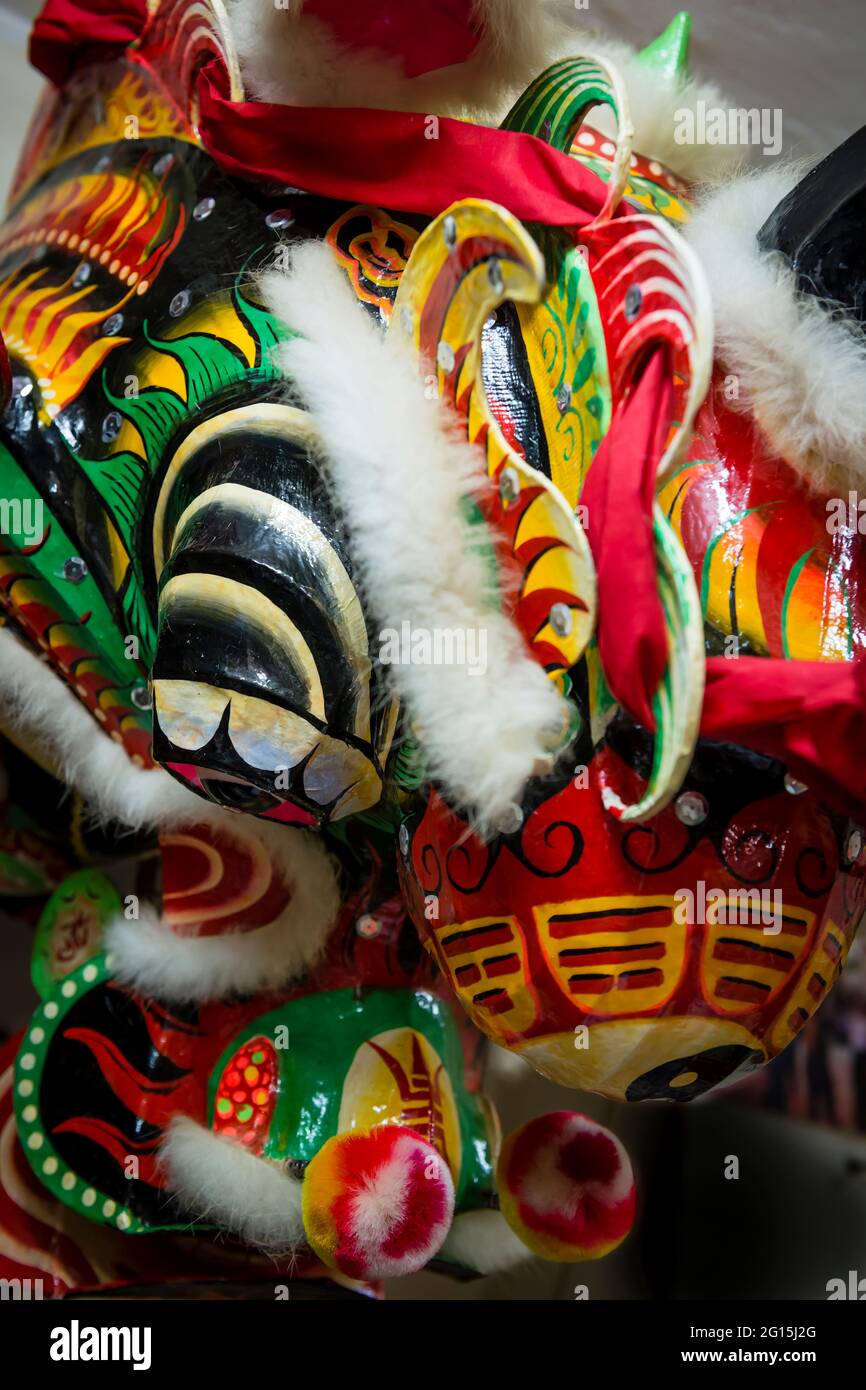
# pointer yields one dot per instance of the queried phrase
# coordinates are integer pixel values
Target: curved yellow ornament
(468, 262)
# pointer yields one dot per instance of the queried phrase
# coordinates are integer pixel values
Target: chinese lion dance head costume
(416, 569)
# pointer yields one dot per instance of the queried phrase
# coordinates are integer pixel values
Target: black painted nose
(262, 679)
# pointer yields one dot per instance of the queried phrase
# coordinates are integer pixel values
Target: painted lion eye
(686, 1078)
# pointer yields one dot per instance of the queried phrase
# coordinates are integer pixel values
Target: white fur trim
(802, 366)
(484, 1241)
(40, 709)
(655, 108)
(43, 712)
(150, 957)
(220, 1182)
(400, 471)
(288, 57)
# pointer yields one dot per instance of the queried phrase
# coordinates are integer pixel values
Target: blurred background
(796, 1215)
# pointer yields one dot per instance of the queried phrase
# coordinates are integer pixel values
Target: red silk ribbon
(810, 715)
(393, 159)
(618, 496)
(67, 34)
(420, 37)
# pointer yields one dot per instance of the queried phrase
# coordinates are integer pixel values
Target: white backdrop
(802, 56)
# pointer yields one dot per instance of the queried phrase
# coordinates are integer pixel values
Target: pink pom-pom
(566, 1187)
(377, 1203)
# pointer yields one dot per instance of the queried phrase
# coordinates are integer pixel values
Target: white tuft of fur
(656, 109)
(289, 57)
(801, 364)
(152, 958)
(294, 60)
(217, 1181)
(519, 40)
(401, 472)
(484, 1241)
(379, 1206)
(40, 711)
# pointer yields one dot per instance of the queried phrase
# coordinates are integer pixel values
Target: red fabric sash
(394, 159)
(810, 715)
(618, 497)
(420, 37)
(67, 34)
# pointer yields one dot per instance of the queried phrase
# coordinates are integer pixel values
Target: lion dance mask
(422, 626)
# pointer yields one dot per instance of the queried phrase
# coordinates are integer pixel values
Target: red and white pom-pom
(566, 1187)
(377, 1203)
